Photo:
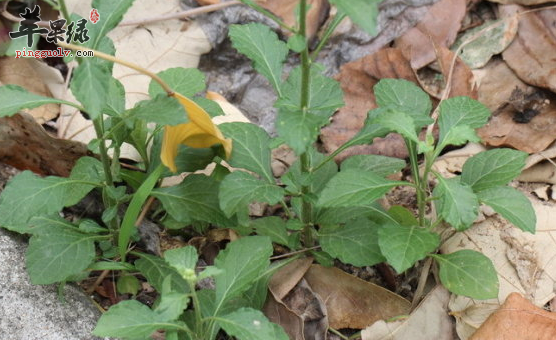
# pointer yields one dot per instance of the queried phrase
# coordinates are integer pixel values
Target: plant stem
(332, 330)
(269, 15)
(99, 129)
(329, 30)
(64, 9)
(421, 197)
(196, 308)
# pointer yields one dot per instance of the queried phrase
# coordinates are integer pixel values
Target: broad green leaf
(379, 165)
(171, 305)
(89, 226)
(156, 270)
(132, 319)
(89, 85)
(512, 205)
(470, 273)
(460, 135)
(196, 198)
(182, 259)
(403, 246)
(492, 168)
(273, 227)
(212, 107)
(111, 13)
(115, 102)
(459, 111)
(162, 109)
(243, 261)
(399, 122)
(250, 324)
(456, 203)
(355, 243)
(362, 12)
(404, 96)
(297, 43)
(88, 169)
(299, 130)
(111, 265)
(251, 149)
(403, 216)
(186, 81)
(354, 188)
(328, 216)
(58, 251)
(260, 44)
(370, 130)
(128, 284)
(14, 98)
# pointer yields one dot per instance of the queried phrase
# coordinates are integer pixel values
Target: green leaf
(403, 216)
(251, 149)
(370, 130)
(492, 168)
(243, 261)
(404, 96)
(403, 246)
(156, 270)
(132, 319)
(343, 214)
(195, 198)
(128, 284)
(185, 81)
(362, 12)
(297, 43)
(212, 107)
(111, 13)
(299, 130)
(355, 243)
(162, 109)
(353, 187)
(111, 265)
(172, 305)
(316, 180)
(273, 227)
(379, 165)
(89, 85)
(456, 203)
(470, 273)
(115, 103)
(182, 259)
(260, 44)
(460, 135)
(250, 324)
(512, 205)
(399, 122)
(458, 111)
(14, 98)
(58, 251)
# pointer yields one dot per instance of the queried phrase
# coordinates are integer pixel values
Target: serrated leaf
(379, 165)
(156, 270)
(243, 261)
(299, 130)
(14, 98)
(260, 44)
(58, 251)
(162, 109)
(250, 324)
(492, 168)
(172, 305)
(111, 13)
(399, 122)
(182, 258)
(195, 198)
(512, 205)
(403, 246)
(362, 12)
(458, 111)
(115, 103)
(456, 203)
(128, 284)
(460, 135)
(251, 149)
(355, 243)
(470, 273)
(187, 81)
(404, 96)
(132, 319)
(353, 187)
(210, 106)
(89, 85)
(273, 227)
(369, 132)
(403, 216)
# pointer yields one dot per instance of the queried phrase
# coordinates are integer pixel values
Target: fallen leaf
(469, 316)
(462, 80)
(521, 2)
(439, 27)
(531, 54)
(430, 320)
(283, 281)
(286, 9)
(518, 319)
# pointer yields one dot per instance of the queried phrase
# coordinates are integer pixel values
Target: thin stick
(294, 253)
(101, 277)
(143, 213)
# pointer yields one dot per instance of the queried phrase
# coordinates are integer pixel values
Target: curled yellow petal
(199, 132)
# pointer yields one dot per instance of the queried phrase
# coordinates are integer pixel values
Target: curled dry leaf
(469, 315)
(439, 27)
(519, 319)
(462, 81)
(531, 54)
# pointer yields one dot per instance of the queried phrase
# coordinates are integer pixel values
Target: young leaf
(128, 284)
(512, 205)
(273, 227)
(162, 109)
(362, 12)
(354, 188)
(260, 44)
(182, 259)
(89, 85)
(399, 122)
(459, 135)
(458, 111)
(355, 243)
(251, 149)
(404, 96)
(299, 129)
(456, 203)
(156, 270)
(250, 324)
(243, 261)
(14, 98)
(195, 198)
(172, 305)
(403, 246)
(470, 273)
(187, 81)
(379, 165)
(112, 13)
(132, 319)
(492, 168)
(115, 103)
(370, 130)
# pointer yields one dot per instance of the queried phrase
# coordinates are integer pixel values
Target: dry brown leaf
(469, 316)
(285, 9)
(283, 281)
(462, 80)
(352, 302)
(278, 313)
(521, 2)
(207, 2)
(518, 319)
(439, 27)
(531, 54)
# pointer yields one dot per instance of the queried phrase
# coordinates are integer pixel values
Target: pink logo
(94, 16)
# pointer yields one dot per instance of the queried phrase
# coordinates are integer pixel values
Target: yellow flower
(199, 132)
